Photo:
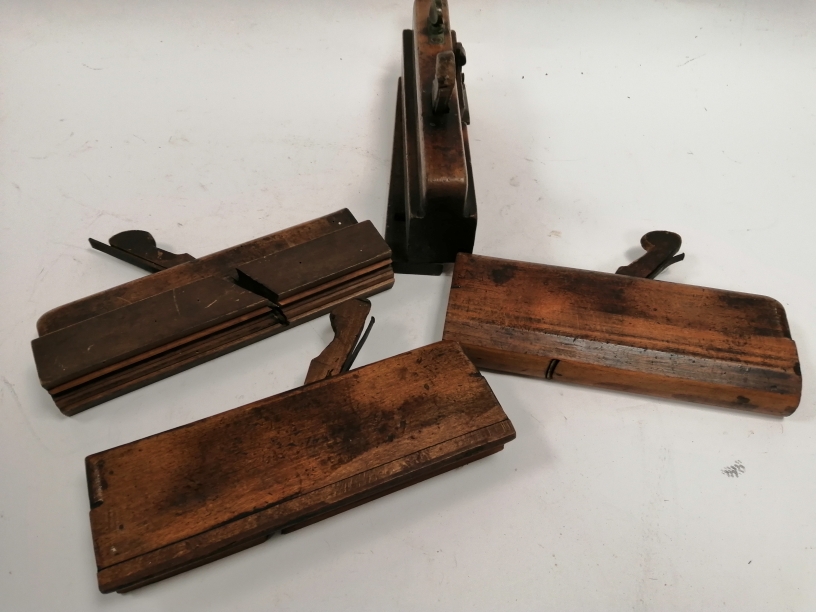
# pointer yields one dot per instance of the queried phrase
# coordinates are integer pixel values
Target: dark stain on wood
(181, 498)
(502, 274)
(626, 333)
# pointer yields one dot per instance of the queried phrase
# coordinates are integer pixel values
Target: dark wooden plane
(191, 495)
(431, 200)
(193, 310)
(625, 331)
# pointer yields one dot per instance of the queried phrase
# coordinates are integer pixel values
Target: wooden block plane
(188, 496)
(193, 310)
(431, 200)
(625, 331)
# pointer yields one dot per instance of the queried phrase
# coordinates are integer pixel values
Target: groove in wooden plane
(193, 310)
(188, 496)
(625, 331)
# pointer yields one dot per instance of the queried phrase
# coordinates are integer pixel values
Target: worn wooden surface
(442, 170)
(305, 267)
(117, 335)
(172, 501)
(632, 334)
(347, 321)
(220, 263)
(590, 488)
(100, 347)
(431, 200)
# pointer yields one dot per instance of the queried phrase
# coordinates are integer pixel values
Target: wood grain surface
(220, 263)
(174, 500)
(431, 213)
(304, 267)
(632, 334)
(135, 334)
(119, 334)
(347, 321)
(443, 175)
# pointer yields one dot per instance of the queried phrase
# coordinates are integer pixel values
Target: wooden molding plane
(193, 310)
(431, 200)
(191, 495)
(625, 331)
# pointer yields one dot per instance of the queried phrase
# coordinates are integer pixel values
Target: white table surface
(211, 123)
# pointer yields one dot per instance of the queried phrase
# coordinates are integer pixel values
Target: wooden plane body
(624, 333)
(431, 200)
(110, 343)
(182, 498)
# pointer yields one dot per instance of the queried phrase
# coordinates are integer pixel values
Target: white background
(211, 123)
